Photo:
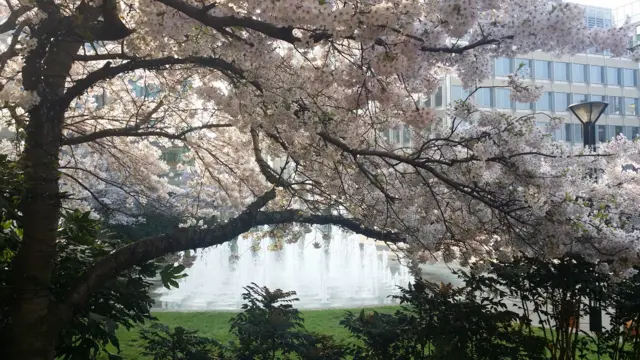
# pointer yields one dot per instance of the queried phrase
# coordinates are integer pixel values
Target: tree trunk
(31, 335)
(34, 263)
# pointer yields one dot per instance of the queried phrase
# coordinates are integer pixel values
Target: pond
(345, 271)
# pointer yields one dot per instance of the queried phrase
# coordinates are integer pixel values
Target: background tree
(308, 82)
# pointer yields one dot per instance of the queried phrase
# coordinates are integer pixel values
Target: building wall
(565, 80)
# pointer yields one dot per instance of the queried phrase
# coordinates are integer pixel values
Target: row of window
(569, 132)
(573, 132)
(562, 71)
(500, 98)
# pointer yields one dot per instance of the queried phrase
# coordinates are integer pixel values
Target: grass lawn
(215, 324)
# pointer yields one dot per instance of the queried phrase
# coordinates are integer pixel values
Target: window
(406, 135)
(613, 76)
(458, 93)
(578, 73)
(523, 66)
(568, 132)
(544, 127)
(597, 98)
(602, 133)
(573, 133)
(619, 130)
(579, 98)
(615, 105)
(523, 106)
(503, 66)
(427, 101)
(395, 136)
(483, 97)
(560, 101)
(542, 69)
(544, 103)
(630, 107)
(561, 71)
(438, 97)
(629, 77)
(577, 132)
(503, 99)
(595, 74)
(634, 132)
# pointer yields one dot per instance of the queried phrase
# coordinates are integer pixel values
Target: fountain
(343, 271)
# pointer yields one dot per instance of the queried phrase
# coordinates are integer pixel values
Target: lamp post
(588, 113)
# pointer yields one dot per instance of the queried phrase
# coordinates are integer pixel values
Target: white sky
(603, 3)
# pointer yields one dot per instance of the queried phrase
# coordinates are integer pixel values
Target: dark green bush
(440, 322)
(163, 343)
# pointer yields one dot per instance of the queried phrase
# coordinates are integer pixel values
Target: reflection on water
(346, 271)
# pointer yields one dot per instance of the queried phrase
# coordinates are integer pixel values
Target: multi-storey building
(565, 80)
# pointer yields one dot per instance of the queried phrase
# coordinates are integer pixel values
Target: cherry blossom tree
(309, 82)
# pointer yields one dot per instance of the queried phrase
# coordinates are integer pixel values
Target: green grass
(215, 324)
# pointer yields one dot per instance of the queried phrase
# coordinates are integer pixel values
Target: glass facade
(483, 97)
(523, 106)
(542, 70)
(560, 101)
(613, 76)
(578, 73)
(579, 98)
(630, 106)
(602, 133)
(615, 105)
(523, 66)
(596, 17)
(458, 93)
(502, 66)
(544, 102)
(406, 135)
(561, 71)
(503, 100)
(596, 74)
(568, 132)
(629, 77)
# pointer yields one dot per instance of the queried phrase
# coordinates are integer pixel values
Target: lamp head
(588, 112)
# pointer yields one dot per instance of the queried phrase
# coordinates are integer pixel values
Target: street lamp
(588, 113)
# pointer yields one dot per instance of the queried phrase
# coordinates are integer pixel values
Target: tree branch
(214, 22)
(185, 239)
(12, 21)
(97, 57)
(286, 33)
(108, 72)
(269, 173)
(134, 132)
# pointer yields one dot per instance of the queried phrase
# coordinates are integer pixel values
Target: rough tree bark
(31, 335)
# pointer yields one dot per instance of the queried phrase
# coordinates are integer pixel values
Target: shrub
(441, 322)
(164, 343)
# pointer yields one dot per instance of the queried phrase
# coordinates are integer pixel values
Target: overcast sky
(603, 3)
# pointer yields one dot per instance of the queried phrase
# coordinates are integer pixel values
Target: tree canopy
(95, 89)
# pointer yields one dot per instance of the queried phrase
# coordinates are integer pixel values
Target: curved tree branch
(108, 72)
(136, 132)
(185, 239)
